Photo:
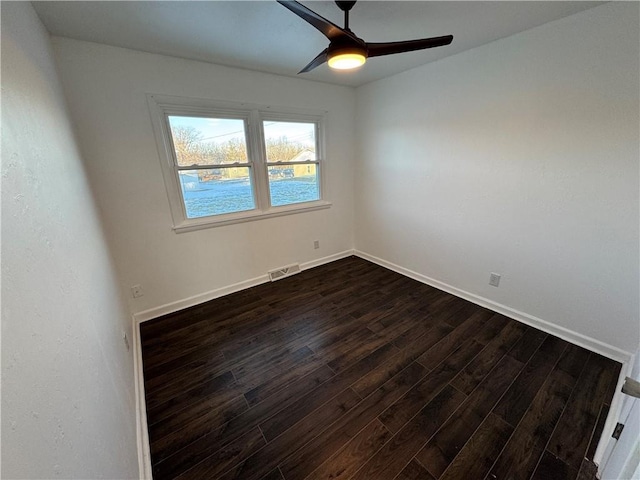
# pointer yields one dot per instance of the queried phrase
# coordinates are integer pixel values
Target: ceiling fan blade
(316, 62)
(328, 28)
(379, 49)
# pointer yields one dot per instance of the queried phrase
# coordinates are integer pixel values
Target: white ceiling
(264, 36)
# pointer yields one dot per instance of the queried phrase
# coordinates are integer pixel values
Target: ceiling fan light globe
(346, 61)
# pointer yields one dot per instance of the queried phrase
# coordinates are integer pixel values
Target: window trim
(162, 106)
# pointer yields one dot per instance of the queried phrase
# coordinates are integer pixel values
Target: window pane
(289, 141)
(216, 191)
(208, 141)
(293, 184)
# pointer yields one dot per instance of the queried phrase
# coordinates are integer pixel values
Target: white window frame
(162, 106)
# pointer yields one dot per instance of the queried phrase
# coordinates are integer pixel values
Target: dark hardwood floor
(351, 371)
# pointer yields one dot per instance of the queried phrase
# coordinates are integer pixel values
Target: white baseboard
(220, 292)
(328, 259)
(144, 452)
(609, 351)
(194, 300)
(576, 338)
(589, 343)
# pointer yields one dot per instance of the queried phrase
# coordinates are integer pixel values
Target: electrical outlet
(136, 291)
(125, 338)
(316, 244)
(494, 279)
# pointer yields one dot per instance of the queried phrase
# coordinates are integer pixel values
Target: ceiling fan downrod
(346, 51)
(345, 6)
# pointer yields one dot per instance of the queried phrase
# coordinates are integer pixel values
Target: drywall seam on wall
(574, 337)
(219, 292)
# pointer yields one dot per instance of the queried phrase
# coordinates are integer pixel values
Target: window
(227, 163)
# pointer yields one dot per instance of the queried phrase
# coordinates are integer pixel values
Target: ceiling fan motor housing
(345, 50)
(345, 46)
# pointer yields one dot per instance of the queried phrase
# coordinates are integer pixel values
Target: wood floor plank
(395, 323)
(173, 369)
(569, 442)
(395, 417)
(223, 459)
(281, 334)
(520, 456)
(197, 370)
(477, 456)
(422, 324)
(281, 421)
(455, 311)
(478, 321)
(528, 345)
(357, 352)
(217, 391)
(287, 444)
(553, 468)
(273, 385)
(597, 431)
(572, 363)
(378, 376)
(157, 330)
(188, 453)
(318, 450)
(205, 323)
(470, 376)
(521, 393)
(413, 471)
(357, 346)
(275, 474)
(344, 463)
(179, 430)
(249, 378)
(588, 470)
(395, 454)
(176, 357)
(264, 344)
(353, 370)
(325, 341)
(442, 449)
(211, 335)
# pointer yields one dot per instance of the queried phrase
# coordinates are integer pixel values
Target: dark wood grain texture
(352, 371)
(414, 471)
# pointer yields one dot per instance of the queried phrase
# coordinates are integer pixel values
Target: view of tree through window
(226, 185)
(219, 143)
(291, 161)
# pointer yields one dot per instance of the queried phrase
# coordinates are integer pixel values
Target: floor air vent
(283, 272)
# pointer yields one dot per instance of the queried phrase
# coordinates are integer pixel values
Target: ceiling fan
(345, 50)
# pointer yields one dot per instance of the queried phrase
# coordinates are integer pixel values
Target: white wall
(67, 378)
(106, 88)
(518, 157)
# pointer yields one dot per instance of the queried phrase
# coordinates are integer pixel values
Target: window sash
(164, 106)
(241, 211)
(283, 164)
(217, 116)
(213, 166)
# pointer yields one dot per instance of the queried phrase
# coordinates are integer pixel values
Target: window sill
(233, 218)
